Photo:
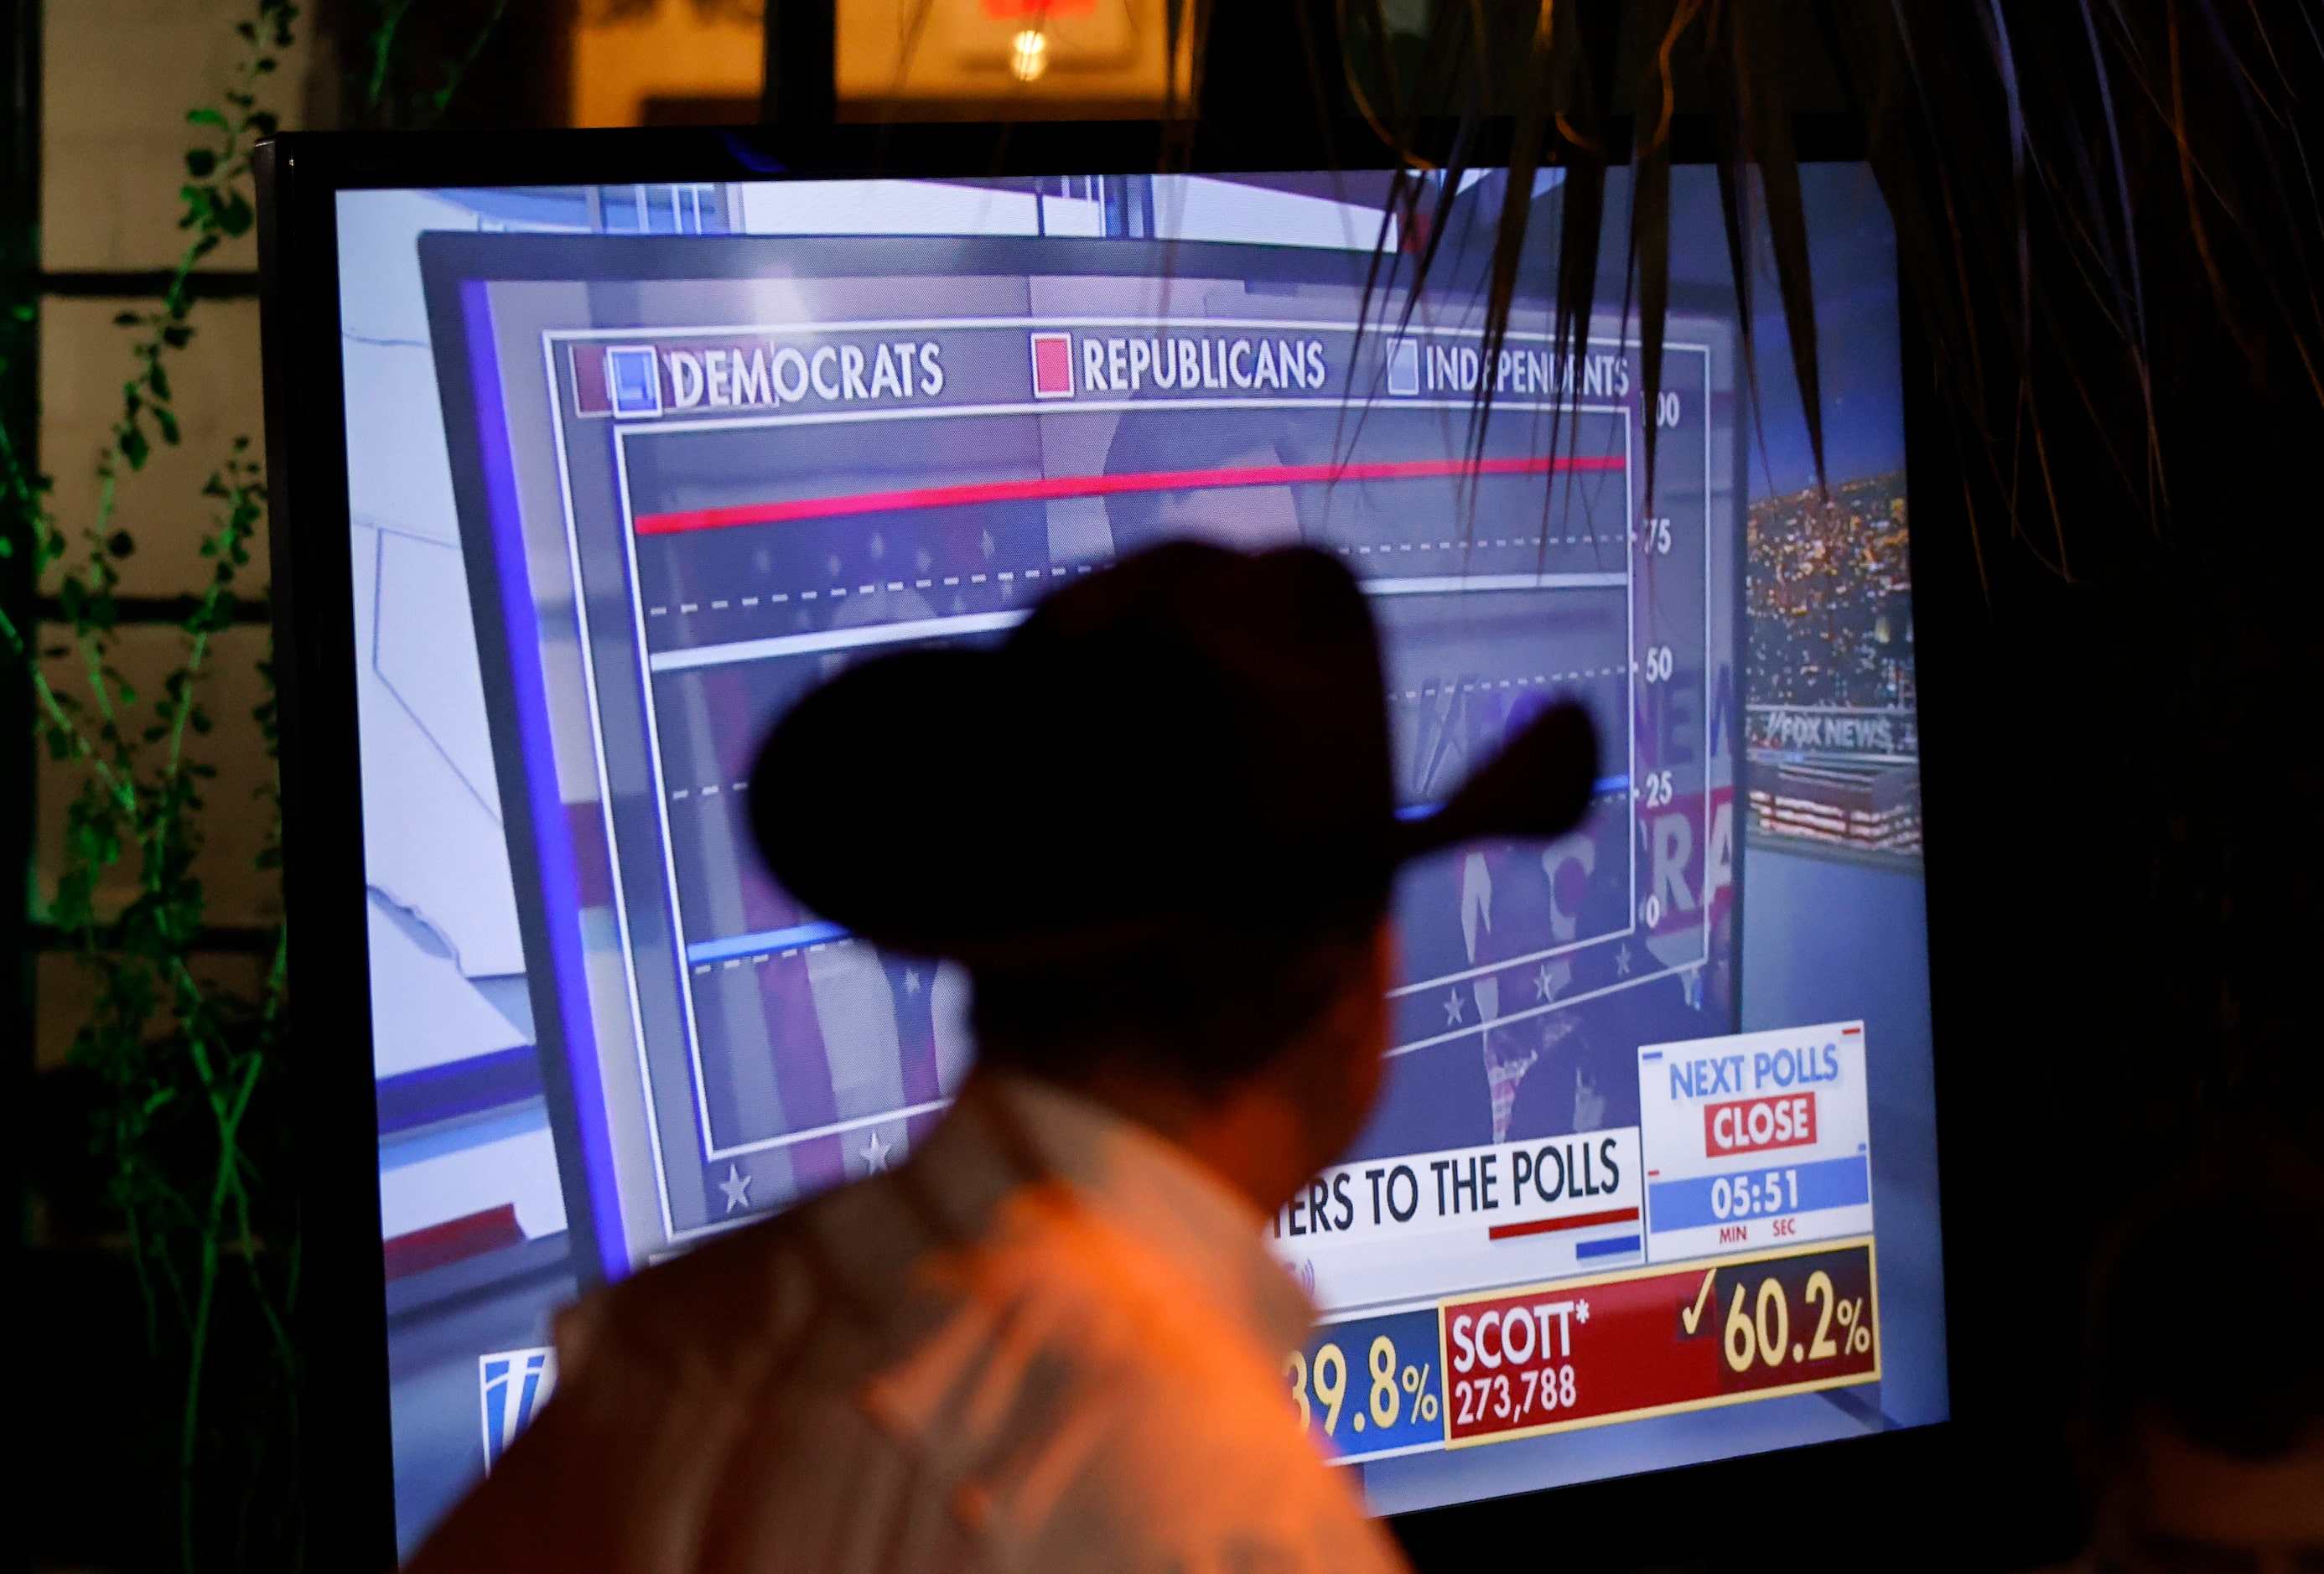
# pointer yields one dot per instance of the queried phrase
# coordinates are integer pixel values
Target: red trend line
(1040, 489)
(1570, 1222)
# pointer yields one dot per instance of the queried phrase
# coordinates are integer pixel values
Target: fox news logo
(515, 1385)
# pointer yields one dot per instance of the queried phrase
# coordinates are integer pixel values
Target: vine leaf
(187, 1128)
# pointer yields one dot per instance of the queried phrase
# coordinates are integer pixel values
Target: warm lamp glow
(1028, 55)
(1009, 59)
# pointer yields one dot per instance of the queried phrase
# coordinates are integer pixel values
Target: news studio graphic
(1831, 713)
(766, 504)
(512, 1386)
(1751, 1148)
(1370, 1388)
(1364, 1233)
(1587, 1352)
(698, 473)
(1590, 1352)
(762, 505)
(1755, 1139)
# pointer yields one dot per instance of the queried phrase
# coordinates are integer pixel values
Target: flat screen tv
(592, 453)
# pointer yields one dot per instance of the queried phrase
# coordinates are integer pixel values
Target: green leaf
(200, 162)
(207, 117)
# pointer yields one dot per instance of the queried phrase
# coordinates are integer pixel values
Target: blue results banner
(1371, 1386)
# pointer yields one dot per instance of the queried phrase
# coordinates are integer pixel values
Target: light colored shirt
(1049, 1341)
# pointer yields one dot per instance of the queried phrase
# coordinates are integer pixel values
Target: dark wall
(2124, 843)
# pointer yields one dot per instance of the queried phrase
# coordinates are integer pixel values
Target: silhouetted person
(2203, 1440)
(1156, 826)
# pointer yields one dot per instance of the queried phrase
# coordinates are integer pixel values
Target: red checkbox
(1053, 365)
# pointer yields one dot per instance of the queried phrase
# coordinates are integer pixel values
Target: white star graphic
(737, 1187)
(1453, 1007)
(1582, 1312)
(911, 981)
(874, 1153)
(986, 542)
(1622, 960)
(1543, 985)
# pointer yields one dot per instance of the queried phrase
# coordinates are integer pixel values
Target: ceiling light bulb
(1028, 55)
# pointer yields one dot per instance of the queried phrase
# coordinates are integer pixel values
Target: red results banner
(1583, 1352)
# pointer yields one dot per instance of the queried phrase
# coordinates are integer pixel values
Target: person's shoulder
(705, 1378)
(1125, 1420)
(719, 1304)
(735, 1299)
(1194, 1477)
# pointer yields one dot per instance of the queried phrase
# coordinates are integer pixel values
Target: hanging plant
(190, 1125)
(192, 1129)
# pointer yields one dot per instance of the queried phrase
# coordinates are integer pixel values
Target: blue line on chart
(766, 940)
(1601, 788)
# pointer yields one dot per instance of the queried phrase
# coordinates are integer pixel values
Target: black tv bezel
(1868, 1486)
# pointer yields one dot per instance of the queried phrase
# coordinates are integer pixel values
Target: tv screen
(633, 467)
